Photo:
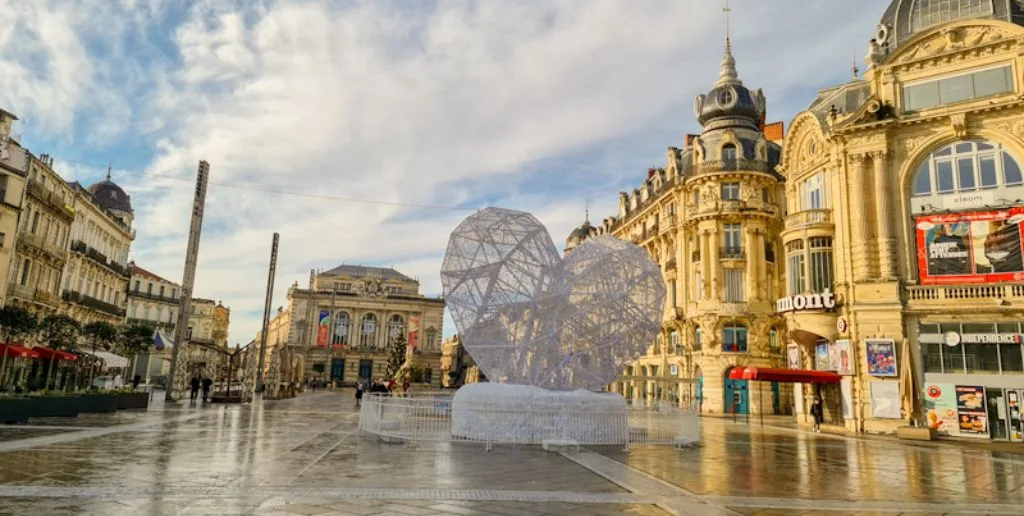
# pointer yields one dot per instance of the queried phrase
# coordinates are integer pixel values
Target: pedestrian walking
(818, 414)
(359, 393)
(207, 383)
(194, 384)
(136, 380)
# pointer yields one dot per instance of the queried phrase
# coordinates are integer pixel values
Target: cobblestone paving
(305, 457)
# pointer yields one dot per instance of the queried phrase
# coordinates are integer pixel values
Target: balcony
(734, 165)
(79, 247)
(35, 189)
(809, 218)
(93, 303)
(21, 292)
(731, 253)
(46, 298)
(152, 296)
(42, 244)
(164, 325)
(753, 206)
(202, 341)
(924, 296)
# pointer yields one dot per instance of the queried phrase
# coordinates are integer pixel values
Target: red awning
(764, 374)
(16, 351)
(47, 353)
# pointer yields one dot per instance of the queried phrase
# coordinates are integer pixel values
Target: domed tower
(580, 234)
(112, 197)
(733, 199)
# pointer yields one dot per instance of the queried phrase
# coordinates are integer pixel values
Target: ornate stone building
(343, 322)
(905, 192)
(152, 299)
(711, 219)
(14, 165)
(96, 275)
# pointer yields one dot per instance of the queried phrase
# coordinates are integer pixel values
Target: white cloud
(428, 105)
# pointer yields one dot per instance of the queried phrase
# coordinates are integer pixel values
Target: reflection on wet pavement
(305, 456)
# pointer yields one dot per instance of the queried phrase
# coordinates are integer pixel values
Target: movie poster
(881, 356)
(323, 327)
(940, 408)
(839, 357)
(414, 332)
(971, 247)
(970, 408)
(821, 356)
(793, 357)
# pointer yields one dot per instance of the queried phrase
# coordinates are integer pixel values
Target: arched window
(965, 166)
(928, 13)
(368, 333)
(396, 327)
(340, 337)
(729, 153)
(734, 339)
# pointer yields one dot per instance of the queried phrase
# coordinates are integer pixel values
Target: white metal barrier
(424, 416)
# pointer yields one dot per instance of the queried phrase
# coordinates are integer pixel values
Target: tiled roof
(362, 271)
(774, 131)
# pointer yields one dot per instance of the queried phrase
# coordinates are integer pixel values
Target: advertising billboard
(322, 328)
(970, 247)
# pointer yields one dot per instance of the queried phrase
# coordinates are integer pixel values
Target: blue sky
(535, 105)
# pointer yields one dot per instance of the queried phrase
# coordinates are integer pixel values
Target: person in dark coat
(194, 384)
(207, 383)
(136, 380)
(818, 414)
(359, 393)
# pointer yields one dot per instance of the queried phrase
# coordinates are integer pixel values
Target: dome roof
(582, 232)
(110, 196)
(905, 18)
(729, 102)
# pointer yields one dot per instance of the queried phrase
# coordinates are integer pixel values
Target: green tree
(133, 339)
(396, 355)
(101, 335)
(16, 324)
(60, 332)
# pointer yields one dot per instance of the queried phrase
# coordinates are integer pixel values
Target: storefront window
(1011, 355)
(981, 358)
(932, 357)
(982, 348)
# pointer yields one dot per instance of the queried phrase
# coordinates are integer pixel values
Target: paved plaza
(304, 456)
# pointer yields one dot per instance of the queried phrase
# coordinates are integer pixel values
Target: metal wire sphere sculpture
(528, 316)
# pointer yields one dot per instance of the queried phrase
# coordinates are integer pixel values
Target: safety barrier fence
(427, 416)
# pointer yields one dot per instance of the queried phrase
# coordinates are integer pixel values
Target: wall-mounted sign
(952, 338)
(823, 301)
(970, 247)
(841, 325)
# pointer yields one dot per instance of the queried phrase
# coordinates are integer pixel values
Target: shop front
(974, 379)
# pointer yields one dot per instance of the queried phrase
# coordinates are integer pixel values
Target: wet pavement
(305, 457)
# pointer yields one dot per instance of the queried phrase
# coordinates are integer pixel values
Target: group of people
(198, 382)
(379, 387)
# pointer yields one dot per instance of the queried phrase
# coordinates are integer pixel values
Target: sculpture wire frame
(528, 316)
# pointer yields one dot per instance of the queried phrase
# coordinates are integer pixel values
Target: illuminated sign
(823, 301)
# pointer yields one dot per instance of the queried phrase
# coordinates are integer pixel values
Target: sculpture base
(523, 414)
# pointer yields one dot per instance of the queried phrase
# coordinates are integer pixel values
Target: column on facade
(883, 207)
(762, 267)
(713, 264)
(704, 239)
(858, 180)
(752, 259)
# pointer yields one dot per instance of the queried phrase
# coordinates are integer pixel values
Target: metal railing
(154, 297)
(958, 292)
(809, 218)
(731, 252)
(428, 417)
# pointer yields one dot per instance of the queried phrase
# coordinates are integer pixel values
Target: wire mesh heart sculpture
(528, 316)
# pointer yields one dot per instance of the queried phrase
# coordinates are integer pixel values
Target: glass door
(1016, 417)
(997, 414)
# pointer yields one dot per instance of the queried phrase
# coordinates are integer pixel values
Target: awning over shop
(16, 351)
(47, 354)
(807, 328)
(764, 374)
(110, 359)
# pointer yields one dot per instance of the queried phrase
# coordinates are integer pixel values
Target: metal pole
(189, 278)
(266, 313)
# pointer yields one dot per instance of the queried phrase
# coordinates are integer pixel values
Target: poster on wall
(846, 388)
(793, 356)
(970, 247)
(821, 356)
(414, 332)
(885, 400)
(839, 358)
(940, 410)
(322, 328)
(970, 409)
(881, 355)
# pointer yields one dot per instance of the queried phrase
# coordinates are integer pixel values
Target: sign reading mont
(823, 301)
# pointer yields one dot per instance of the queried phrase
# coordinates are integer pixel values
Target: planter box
(56, 406)
(223, 398)
(14, 410)
(132, 400)
(99, 403)
(916, 433)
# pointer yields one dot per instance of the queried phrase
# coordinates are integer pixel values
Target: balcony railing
(730, 206)
(806, 218)
(152, 296)
(169, 326)
(95, 304)
(35, 189)
(734, 165)
(79, 247)
(41, 243)
(939, 294)
(23, 292)
(46, 298)
(735, 253)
